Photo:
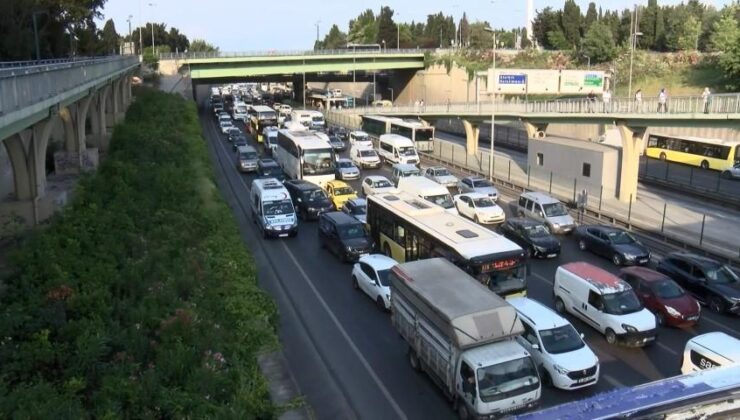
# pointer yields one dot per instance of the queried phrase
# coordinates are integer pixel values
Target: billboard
(580, 81)
(545, 82)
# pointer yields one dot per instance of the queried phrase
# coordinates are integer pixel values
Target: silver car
(441, 175)
(478, 184)
(346, 169)
(733, 172)
(357, 208)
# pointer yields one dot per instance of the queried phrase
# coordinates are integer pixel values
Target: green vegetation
(139, 300)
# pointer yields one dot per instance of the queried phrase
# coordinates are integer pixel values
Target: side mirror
(299, 199)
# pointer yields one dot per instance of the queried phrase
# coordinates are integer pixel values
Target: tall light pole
(633, 44)
(384, 48)
(130, 41)
(317, 32)
(36, 33)
(398, 33)
(152, 6)
(493, 105)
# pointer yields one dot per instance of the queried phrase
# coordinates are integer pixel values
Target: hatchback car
(346, 169)
(712, 283)
(479, 185)
(613, 243)
(233, 133)
(441, 175)
(339, 193)
(370, 274)
(344, 236)
(225, 126)
(356, 208)
(671, 305)
(533, 236)
(337, 144)
(309, 200)
(479, 207)
(270, 168)
(376, 184)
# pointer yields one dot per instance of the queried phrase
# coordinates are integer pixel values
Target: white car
(370, 274)
(441, 175)
(285, 109)
(225, 125)
(365, 157)
(376, 184)
(479, 185)
(479, 207)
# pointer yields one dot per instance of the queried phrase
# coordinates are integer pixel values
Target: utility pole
(153, 52)
(130, 40)
(36, 34)
(633, 44)
(493, 104)
(317, 32)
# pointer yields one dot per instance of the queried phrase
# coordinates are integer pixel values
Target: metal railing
(21, 68)
(268, 53)
(725, 103)
(26, 88)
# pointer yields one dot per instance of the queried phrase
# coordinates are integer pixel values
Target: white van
(239, 112)
(270, 136)
(428, 190)
(364, 157)
(272, 208)
(301, 116)
(546, 209)
(710, 350)
(605, 302)
(360, 138)
(565, 360)
(395, 148)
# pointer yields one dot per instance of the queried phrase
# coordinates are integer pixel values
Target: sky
(249, 25)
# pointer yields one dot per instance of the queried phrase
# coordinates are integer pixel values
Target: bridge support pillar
(535, 130)
(75, 157)
(632, 138)
(472, 133)
(113, 105)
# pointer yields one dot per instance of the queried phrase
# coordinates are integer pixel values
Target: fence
(219, 54)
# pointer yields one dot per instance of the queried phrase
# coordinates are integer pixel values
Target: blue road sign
(511, 79)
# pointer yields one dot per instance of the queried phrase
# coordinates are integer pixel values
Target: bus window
(400, 236)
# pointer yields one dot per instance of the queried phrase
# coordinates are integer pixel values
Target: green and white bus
(420, 133)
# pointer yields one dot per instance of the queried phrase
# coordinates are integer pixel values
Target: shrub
(139, 300)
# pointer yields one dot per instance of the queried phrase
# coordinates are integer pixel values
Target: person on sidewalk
(606, 97)
(638, 100)
(705, 97)
(590, 99)
(662, 101)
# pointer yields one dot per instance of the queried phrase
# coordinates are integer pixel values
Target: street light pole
(317, 31)
(36, 34)
(153, 53)
(633, 44)
(131, 41)
(493, 105)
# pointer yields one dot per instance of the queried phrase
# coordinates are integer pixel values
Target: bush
(139, 300)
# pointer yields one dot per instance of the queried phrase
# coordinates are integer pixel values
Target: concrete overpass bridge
(632, 120)
(73, 103)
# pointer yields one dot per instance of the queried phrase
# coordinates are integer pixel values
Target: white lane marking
(666, 348)
(335, 320)
(613, 382)
(541, 277)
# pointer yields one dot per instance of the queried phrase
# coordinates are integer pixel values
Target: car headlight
(559, 369)
(540, 248)
(348, 248)
(556, 225)
(629, 328)
(672, 312)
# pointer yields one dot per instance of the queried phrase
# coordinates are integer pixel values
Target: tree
(464, 30)
(334, 39)
(177, 41)
(479, 38)
(386, 28)
(545, 22)
(725, 31)
(729, 61)
(364, 29)
(200, 45)
(570, 23)
(646, 24)
(682, 30)
(591, 17)
(109, 39)
(598, 44)
(557, 40)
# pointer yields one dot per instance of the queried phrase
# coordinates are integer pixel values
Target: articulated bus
(408, 228)
(715, 154)
(304, 155)
(421, 134)
(711, 393)
(261, 116)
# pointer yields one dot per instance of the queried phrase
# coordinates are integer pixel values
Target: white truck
(463, 336)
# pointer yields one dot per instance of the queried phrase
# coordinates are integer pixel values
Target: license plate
(283, 235)
(643, 260)
(693, 318)
(552, 255)
(646, 339)
(583, 380)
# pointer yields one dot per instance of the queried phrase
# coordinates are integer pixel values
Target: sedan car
(479, 207)
(376, 184)
(339, 193)
(225, 126)
(671, 305)
(356, 208)
(337, 144)
(233, 133)
(270, 168)
(479, 185)
(733, 172)
(441, 175)
(712, 283)
(613, 243)
(370, 274)
(533, 236)
(238, 141)
(309, 200)
(346, 169)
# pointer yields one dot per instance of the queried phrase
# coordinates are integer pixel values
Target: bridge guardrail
(268, 53)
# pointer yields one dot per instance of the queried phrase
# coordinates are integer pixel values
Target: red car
(671, 305)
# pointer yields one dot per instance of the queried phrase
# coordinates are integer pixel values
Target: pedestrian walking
(662, 101)
(591, 99)
(638, 100)
(705, 97)
(606, 97)
(421, 104)
(448, 104)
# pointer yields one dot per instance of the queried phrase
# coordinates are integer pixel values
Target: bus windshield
(267, 116)
(318, 162)
(424, 134)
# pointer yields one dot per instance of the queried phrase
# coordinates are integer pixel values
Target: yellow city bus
(714, 154)
(408, 228)
(261, 116)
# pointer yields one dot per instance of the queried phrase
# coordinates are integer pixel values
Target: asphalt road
(343, 352)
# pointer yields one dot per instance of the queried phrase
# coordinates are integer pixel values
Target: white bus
(304, 155)
(420, 133)
(408, 228)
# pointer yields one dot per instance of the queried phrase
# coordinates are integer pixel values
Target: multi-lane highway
(343, 352)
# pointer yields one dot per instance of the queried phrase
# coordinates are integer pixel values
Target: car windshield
(225, 123)
(483, 202)
(335, 140)
(721, 274)
(503, 380)
(317, 118)
(382, 184)
(621, 238)
(344, 164)
(318, 162)
(248, 155)
(481, 183)
(441, 172)
(407, 151)
(561, 340)
(555, 210)
(621, 303)
(383, 277)
(315, 195)
(368, 153)
(411, 173)
(352, 231)
(274, 208)
(357, 210)
(343, 191)
(667, 289)
(360, 137)
(537, 231)
(443, 200)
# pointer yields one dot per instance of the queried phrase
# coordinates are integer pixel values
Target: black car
(342, 133)
(344, 235)
(711, 282)
(533, 236)
(269, 168)
(309, 199)
(337, 144)
(237, 141)
(616, 244)
(233, 133)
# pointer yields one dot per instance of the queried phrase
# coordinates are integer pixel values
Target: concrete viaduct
(80, 99)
